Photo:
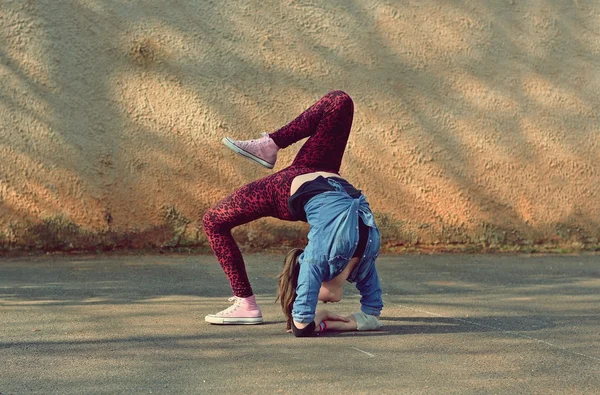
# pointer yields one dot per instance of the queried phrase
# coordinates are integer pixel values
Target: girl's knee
(342, 98)
(342, 103)
(210, 222)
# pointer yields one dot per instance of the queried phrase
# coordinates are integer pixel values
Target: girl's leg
(327, 123)
(245, 205)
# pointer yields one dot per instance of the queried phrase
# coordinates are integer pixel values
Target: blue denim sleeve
(307, 291)
(370, 290)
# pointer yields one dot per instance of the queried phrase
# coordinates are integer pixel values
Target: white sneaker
(262, 151)
(244, 311)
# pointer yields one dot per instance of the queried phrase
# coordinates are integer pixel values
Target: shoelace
(256, 142)
(231, 308)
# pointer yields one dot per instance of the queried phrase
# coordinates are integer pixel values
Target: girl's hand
(325, 315)
(336, 317)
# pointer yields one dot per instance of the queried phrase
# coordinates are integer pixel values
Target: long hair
(287, 283)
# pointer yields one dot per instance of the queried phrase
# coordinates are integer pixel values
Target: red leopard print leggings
(327, 123)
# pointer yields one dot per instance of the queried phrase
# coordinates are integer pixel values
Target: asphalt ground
(484, 324)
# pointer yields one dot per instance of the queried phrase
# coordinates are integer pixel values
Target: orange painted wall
(476, 122)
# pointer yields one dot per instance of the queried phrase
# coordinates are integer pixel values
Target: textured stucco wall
(476, 121)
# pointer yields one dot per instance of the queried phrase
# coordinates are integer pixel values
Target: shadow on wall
(467, 129)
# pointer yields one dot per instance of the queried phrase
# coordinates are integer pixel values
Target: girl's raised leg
(327, 125)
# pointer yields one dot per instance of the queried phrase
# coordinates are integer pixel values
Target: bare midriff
(304, 178)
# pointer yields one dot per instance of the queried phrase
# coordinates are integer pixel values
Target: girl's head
(288, 281)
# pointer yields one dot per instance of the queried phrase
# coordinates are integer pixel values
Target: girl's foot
(243, 311)
(262, 151)
(366, 322)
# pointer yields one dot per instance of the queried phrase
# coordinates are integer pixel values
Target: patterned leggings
(327, 123)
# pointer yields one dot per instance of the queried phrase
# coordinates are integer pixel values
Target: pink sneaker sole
(229, 143)
(218, 320)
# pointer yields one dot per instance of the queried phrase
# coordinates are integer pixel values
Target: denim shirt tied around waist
(332, 239)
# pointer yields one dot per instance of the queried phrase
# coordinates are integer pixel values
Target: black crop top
(312, 188)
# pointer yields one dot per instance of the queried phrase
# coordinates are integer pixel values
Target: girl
(343, 238)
